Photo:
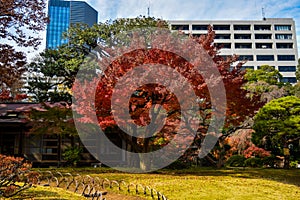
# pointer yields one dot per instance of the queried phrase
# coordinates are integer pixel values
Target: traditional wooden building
(41, 149)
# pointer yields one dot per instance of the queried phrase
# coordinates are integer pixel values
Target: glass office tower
(64, 13)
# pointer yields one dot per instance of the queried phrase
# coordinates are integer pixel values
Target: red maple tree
(147, 101)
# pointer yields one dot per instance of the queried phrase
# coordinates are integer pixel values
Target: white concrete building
(270, 41)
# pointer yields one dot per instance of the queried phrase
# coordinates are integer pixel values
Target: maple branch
(293, 139)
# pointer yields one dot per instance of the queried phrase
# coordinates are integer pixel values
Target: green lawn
(47, 193)
(204, 183)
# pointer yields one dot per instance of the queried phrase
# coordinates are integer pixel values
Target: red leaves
(20, 97)
(148, 95)
(239, 106)
(7, 96)
(19, 15)
(254, 151)
(19, 22)
(13, 170)
(11, 68)
(141, 104)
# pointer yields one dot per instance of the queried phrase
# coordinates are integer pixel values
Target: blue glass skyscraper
(64, 13)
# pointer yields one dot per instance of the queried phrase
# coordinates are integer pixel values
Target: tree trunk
(133, 159)
(145, 162)
(132, 145)
(222, 153)
(286, 153)
(286, 162)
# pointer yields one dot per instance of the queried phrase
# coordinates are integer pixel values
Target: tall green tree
(296, 89)
(266, 81)
(277, 125)
(52, 74)
(20, 23)
(54, 70)
(265, 73)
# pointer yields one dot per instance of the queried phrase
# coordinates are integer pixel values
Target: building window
(247, 67)
(181, 27)
(263, 45)
(286, 57)
(198, 27)
(283, 27)
(222, 36)
(265, 57)
(242, 36)
(287, 68)
(262, 27)
(246, 57)
(241, 27)
(223, 45)
(284, 45)
(258, 67)
(243, 45)
(289, 80)
(283, 36)
(221, 27)
(263, 36)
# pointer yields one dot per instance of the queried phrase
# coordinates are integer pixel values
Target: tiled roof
(17, 107)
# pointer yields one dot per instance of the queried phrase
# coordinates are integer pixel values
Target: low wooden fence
(93, 187)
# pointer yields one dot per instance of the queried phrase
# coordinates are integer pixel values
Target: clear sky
(199, 10)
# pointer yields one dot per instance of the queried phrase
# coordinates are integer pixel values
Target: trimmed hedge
(236, 161)
(253, 162)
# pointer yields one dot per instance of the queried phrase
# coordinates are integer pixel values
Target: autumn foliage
(146, 101)
(20, 22)
(239, 106)
(240, 143)
(6, 96)
(15, 175)
(257, 152)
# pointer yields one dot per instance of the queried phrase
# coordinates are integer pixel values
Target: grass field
(198, 183)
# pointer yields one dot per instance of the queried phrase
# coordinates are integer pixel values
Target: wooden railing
(94, 187)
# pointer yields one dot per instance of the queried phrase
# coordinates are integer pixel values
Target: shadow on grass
(41, 193)
(291, 176)
(29, 194)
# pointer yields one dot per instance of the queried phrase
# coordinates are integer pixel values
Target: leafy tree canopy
(277, 124)
(265, 73)
(237, 109)
(52, 119)
(266, 81)
(20, 22)
(54, 70)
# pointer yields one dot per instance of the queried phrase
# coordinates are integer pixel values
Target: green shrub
(294, 164)
(72, 155)
(254, 162)
(269, 161)
(236, 161)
